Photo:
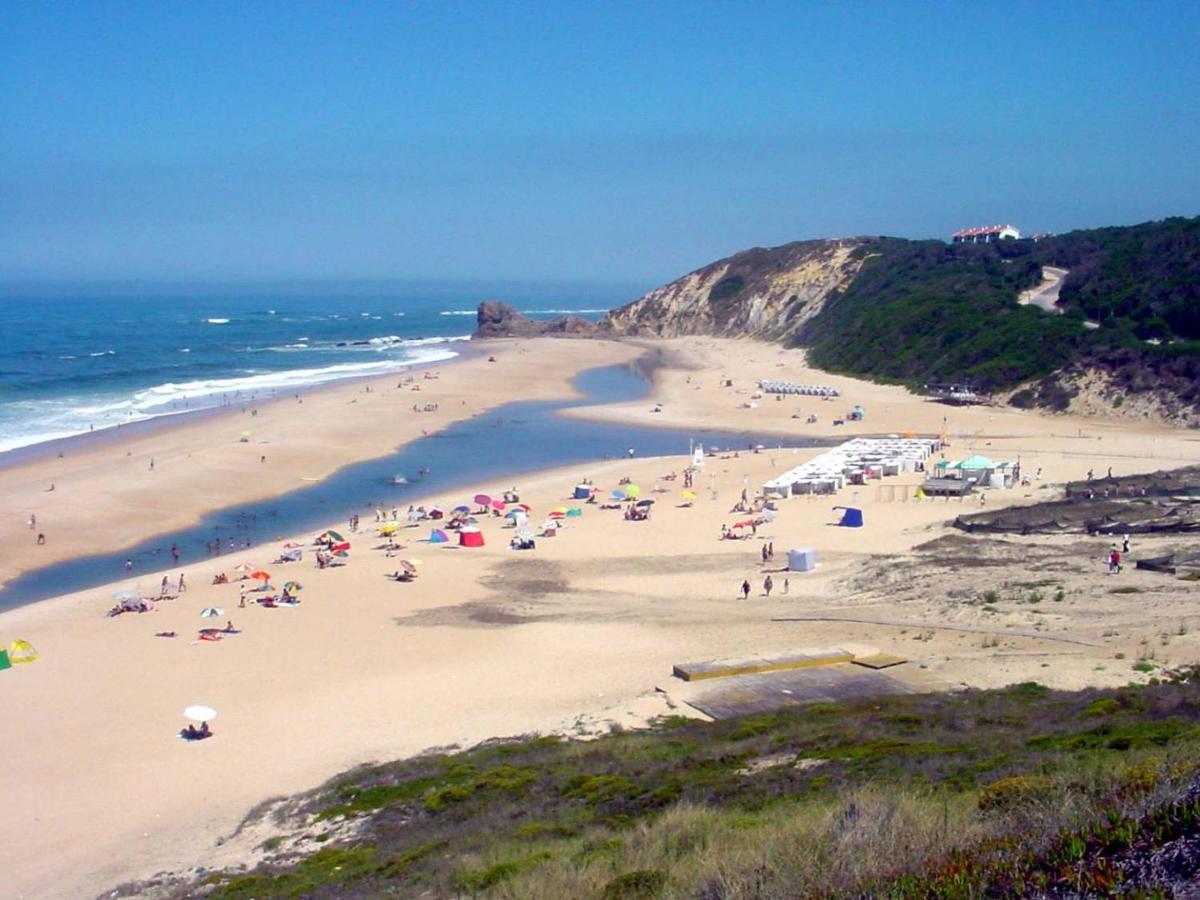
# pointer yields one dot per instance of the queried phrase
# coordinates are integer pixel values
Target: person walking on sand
(1125, 544)
(746, 589)
(786, 586)
(162, 590)
(32, 521)
(182, 587)
(768, 584)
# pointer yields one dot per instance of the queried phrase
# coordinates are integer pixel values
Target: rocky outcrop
(767, 293)
(495, 318)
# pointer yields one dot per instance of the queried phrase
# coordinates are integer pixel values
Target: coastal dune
(569, 638)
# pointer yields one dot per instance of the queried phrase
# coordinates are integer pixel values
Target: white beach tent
(802, 559)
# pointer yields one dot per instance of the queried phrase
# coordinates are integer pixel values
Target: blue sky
(615, 141)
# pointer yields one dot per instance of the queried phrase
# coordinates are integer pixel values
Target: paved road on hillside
(1045, 295)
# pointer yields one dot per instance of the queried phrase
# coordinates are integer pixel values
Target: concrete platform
(701, 670)
(763, 692)
(879, 661)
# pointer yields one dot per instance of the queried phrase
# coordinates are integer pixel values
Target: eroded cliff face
(763, 293)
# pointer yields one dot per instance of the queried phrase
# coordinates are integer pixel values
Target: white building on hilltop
(986, 234)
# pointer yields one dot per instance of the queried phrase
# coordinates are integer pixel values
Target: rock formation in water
(494, 318)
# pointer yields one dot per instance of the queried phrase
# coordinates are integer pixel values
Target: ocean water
(71, 363)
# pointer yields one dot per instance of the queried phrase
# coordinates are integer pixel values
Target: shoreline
(487, 642)
(165, 422)
(208, 449)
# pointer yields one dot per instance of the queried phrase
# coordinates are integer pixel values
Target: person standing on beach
(786, 586)
(1125, 544)
(768, 584)
(32, 521)
(162, 590)
(182, 586)
(746, 589)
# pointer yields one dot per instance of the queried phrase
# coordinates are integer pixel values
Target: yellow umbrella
(390, 528)
(689, 495)
(632, 490)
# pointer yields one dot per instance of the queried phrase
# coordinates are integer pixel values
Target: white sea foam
(457, 312)
(104, 353)
(39, 421)
(217, 321)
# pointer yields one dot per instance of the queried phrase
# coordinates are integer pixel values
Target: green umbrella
(292, 586)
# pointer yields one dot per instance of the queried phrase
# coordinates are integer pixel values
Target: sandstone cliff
(766, 293)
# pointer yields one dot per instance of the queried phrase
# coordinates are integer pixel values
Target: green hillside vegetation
(979, 793)
(925, 310)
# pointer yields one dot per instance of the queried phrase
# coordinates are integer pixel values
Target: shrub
(636, 885)
(1010, 793)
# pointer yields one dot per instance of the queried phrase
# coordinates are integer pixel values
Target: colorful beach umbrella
(617, 495)
(292, 586)
(331, 536)
(646, 502)
(211, 612)
(498, 504)
(574, 512)
(462, 509)
(688, 495)
(243, 567)
(632, 490)
(483, 499)
(261, 575)
(408, 567)
(389, 528)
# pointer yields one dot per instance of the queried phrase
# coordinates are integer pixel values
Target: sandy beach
(570, 637)
(107, 496)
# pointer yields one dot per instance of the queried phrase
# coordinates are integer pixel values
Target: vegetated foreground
(1018, 791)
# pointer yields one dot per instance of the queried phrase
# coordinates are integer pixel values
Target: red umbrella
(483, 499)
(265, 576)
(345, 545)
(498, 504)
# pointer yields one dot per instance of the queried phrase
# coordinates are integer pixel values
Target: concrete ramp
(794, 688)
(698, 671)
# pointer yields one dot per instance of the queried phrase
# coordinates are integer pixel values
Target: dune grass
(946, 795)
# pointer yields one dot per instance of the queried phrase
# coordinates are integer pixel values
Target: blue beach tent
(852, 517)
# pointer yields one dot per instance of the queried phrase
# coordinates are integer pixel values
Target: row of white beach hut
(805, 390)
(855, 462)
